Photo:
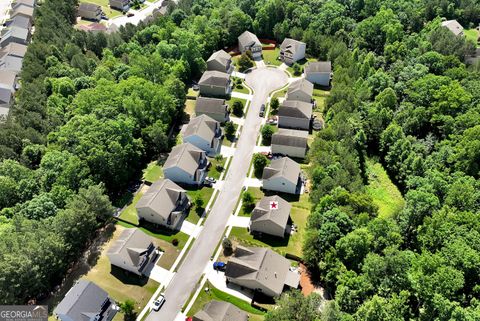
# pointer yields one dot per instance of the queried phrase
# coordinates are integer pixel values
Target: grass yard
(214, 294)
(153, 172)
(214, 171)
(281, 93)
(302, 64)
(129, 214)
(192, 93)
(190, 107)
(320, 97)
(300, 210)
(110, 13)
(270, 57)
(472, 35)
(232, 100)
(195, 213)
(239, 86)
(384, 193)
(119, 285)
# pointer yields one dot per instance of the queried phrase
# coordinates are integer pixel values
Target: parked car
(130, 14)
(219, 266)
(210, 179)
(262, 110)
(157, 304)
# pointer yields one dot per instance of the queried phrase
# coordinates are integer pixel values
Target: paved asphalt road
(262, 81)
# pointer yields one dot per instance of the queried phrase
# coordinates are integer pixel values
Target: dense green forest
(94, 108)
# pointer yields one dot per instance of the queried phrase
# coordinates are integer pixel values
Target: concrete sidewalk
(236, 94)
(219, 281)
(253, 182)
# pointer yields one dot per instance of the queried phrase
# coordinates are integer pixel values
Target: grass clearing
(271, 57)
(214, 294)
(153, 172)
(129, 214)
(320, 97)
(190, 107)
(384, 192)
(471, 35)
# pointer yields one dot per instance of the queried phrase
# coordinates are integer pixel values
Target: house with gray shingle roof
(186, 164)
(292, 50)
(11, 57)
(215, 83)
(204, 133)
(28, 3)
(282, 175)
(122, 5)
(19, 21)
(23, 10)
(270, 216)
(248, 41)
(215, 108)
(90, 11)
(132, 251)
(220, 61)
(301, 89)
(454, 26)
(15, 34)
(290, 142)
(318, 72)
(8, 83)
(164, 203)
(295, 114)
(262, 270)
(220, 311)
(86, 301)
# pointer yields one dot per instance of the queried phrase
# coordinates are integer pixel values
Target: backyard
(153, 172)
(110, 13)
(472, 35)
(271, 57)
(205, 193)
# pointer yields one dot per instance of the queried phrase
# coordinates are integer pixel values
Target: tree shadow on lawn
(157, 229)
(127, 277)
(288, 197)
(270, 240)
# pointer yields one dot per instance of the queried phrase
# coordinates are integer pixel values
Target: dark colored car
(262, 110)
(219, 266)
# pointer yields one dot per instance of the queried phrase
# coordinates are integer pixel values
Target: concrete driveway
(263, 81)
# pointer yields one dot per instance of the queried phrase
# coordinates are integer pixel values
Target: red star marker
(274, 205)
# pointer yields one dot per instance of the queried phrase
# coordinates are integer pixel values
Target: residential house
(289, 142)
(248, 41)
(318, 72)
(8, 83)
(23, 10)
(292, 50)
(95, 27)
(19, 21)
(86, 301)
(204, 133)
(132, 251)
(28, 3)
(215, 83)
(214, 108)
(164, 203)
(122, 5)
(454, 26)
(11, 57)
(282, 175)
(14, 35)
(220, 311)
(220, 61)
(270, 216)
(186, 164)
(90, 11)
(295, 114)
(301, 89)
(262, 270)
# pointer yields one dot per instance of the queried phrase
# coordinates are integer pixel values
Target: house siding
(90, 15)
(299, 96)
(298, 55)
(117, 261)
(218, 117)
(319, 78)
(267, 227)
(253, 285)
(213, 91)
(177, 175)
(290, 151)
(280, 185)
(293, 123)
(203, 144)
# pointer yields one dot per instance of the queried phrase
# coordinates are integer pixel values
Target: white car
(157, 304)
(210, 180)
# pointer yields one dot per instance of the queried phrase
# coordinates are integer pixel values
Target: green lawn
(214, 171)
(232, 100)
(110, 13)
(300, 211)
(192, 93)
(153, 172)
(384, 193)
(270, 57)
(214, 294)
(280, 93)
(320, 97)
(195, 213)
(239, 87)
(129, 214)
(302, 64)
(190, 107)
(472, 35)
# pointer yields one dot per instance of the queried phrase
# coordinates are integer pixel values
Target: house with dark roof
(28, 3)
(214, 108)
(270, 216)
(291, 51)
(215, 83)
(8, 83)
(11, 57)
(90, 11)
(220, 61)
(295, 114)
(14, 34)
(132, 251)
(318, 72)
(19, 21)
(261, 270)
(86, 301)
(164, 203)
(23, 10)
(282, 175)
(301, 90)
(248, 41)
(220, 311)
(186, 164)
(204, 133)
(290, 142)
(122, 5)
(454, 26)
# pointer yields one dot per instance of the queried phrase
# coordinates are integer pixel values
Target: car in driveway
(158, 303)
(262, 110)
(210, 180)
(219, 266)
